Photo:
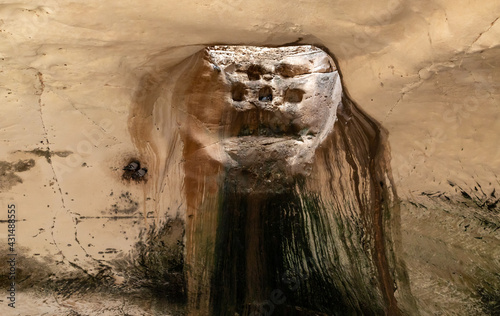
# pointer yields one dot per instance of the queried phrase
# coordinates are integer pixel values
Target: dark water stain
(46, 275)
(23, 165)
(124, 204)
(264, 246)
(47, 153)
(288, 238)
(489, 295)
(8, 170)
(158, 264)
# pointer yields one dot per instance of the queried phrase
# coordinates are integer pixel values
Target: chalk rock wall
(81, 86)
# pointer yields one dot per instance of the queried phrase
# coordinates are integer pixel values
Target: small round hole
(294, 95)
(238, 91)
(266, 94)
(254, 72)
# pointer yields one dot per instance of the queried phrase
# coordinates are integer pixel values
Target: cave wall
(71, 73)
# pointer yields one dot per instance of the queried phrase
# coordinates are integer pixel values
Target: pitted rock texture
(286, 104)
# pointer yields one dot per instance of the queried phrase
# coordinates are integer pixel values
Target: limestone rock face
(287, 186)
(282, 104)
(383, 198)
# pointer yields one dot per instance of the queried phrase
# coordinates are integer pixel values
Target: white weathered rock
(71, 72)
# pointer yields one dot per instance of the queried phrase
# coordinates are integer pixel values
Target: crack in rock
(73, 215)
(481, 34)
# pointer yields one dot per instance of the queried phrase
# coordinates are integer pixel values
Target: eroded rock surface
(82, 97)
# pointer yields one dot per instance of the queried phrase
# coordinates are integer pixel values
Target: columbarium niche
(289, 204)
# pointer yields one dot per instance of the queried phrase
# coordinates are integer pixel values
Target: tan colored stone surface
(427, 71)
